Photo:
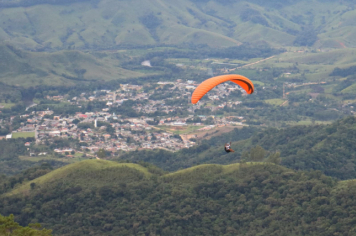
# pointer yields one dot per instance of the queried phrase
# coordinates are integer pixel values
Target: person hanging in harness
(228, 148)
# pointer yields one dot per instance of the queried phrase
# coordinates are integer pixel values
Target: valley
(99, 136)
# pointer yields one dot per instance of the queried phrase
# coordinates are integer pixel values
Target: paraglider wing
(209, 84)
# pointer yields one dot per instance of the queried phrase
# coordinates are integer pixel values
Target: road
(32, 105)
(252, 63)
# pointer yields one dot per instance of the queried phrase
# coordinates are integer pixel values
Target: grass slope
(98, 173)
(89, 173)
(206, 172)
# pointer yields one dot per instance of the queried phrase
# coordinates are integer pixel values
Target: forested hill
(329, 148)
(106, 198)
(103, 24)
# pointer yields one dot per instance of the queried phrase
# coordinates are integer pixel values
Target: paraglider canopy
(209, 84)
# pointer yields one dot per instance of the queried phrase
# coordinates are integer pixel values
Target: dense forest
(255, 199)
(329, 148)
(9, 183)
(344, 71)
(9, 227)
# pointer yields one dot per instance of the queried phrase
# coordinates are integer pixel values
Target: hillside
(64, 68)
(103, 24)
(328, 148)
(238, 200)
(207, 152)
(93, 173)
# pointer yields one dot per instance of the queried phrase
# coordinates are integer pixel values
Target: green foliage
(257, 153)
(9, 94)
(101, 153)
(344, 72)
(85, 125)
(9, 152)
(208, 151)
(254, 16)
(194, 120)
(249, 200)
(209, 121)
(274, 158)
(151, 22)
(328, 148)
(75, 121)
(29, 69)
(9, 183)
(177, 136)
(216, 23)
(306, 37)
(9, 227)
(243, 52)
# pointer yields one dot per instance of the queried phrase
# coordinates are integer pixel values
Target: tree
(245, 156)
(75, 121)
(209, 121)
(274, 158)
(9, 227)
(257, 153)
(101, 153)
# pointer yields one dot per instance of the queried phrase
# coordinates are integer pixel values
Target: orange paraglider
(209, 84)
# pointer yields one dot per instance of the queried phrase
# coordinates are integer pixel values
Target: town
(116, 132)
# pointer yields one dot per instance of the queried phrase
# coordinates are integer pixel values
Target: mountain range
(105, 24)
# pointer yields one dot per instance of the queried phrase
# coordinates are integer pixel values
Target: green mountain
(65, 68)
(107, 198)
(99, 24)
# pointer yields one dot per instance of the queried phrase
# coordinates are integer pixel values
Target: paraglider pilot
(228, 148)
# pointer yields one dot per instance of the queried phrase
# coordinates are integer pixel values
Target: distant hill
(107, 198)
(100, 24)
(64, 68)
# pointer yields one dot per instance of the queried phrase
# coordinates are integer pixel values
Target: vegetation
(280, 180)
(23, 135)
(245, 199)
(221, 23)
(64, 68)
(208, 151)
(11, 164)
(344, 72)
(8, 183)
(328, 148)
(9, 227)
